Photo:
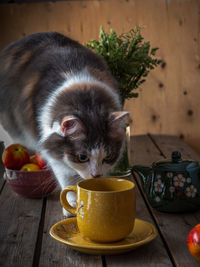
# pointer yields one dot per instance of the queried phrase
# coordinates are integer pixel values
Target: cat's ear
(117, 123)
(72, 127)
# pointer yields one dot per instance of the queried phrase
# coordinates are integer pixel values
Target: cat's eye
(108, 159)
(82, 158)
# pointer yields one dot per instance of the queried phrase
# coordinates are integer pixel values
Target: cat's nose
(96, 175)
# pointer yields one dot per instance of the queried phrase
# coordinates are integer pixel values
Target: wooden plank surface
(174, 227)
(143, 151)
(19, 222)
(2, 182)
(168, 144)
(54, 253)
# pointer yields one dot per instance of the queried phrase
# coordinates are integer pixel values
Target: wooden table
(25, 223)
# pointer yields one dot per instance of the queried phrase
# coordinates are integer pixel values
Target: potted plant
(130, 59)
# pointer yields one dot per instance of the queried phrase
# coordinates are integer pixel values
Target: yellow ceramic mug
(105, 208)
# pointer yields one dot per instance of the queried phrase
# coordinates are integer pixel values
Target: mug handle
(63, 198)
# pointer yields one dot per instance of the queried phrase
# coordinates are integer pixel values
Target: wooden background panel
(169, 100)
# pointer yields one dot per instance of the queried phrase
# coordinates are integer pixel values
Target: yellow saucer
(67, 232)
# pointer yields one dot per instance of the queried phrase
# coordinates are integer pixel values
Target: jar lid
(176, 163)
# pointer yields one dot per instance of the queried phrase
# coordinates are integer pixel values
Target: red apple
(33, 159)
(193, 241)
(30, 167)
(41, 162)
(14, 156)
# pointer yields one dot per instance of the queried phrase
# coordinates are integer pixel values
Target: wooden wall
(169, 101)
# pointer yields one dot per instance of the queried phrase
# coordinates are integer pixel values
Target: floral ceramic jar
(172, 186)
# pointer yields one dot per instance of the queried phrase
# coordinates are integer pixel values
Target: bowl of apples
(28, 175)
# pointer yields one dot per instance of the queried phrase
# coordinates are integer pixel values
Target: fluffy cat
(59, 98)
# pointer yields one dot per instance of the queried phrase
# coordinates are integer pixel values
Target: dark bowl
(31, 184)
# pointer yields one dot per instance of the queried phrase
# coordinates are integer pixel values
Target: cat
(59, 98)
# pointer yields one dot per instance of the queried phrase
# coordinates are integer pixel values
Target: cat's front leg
(65, 177)
(71, 198)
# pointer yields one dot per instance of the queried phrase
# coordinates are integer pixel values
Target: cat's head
(89, 147)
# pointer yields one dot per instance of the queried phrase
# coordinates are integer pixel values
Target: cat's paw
(5, 176)
(71, 198)
(72, 201)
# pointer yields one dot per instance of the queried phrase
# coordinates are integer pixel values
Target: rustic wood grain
(143, 151)
(19, 221)
(2, 181)
(174, 227)
(54, 253)
(168, 144)
(169, 100)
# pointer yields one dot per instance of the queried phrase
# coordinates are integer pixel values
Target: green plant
(129, 58)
